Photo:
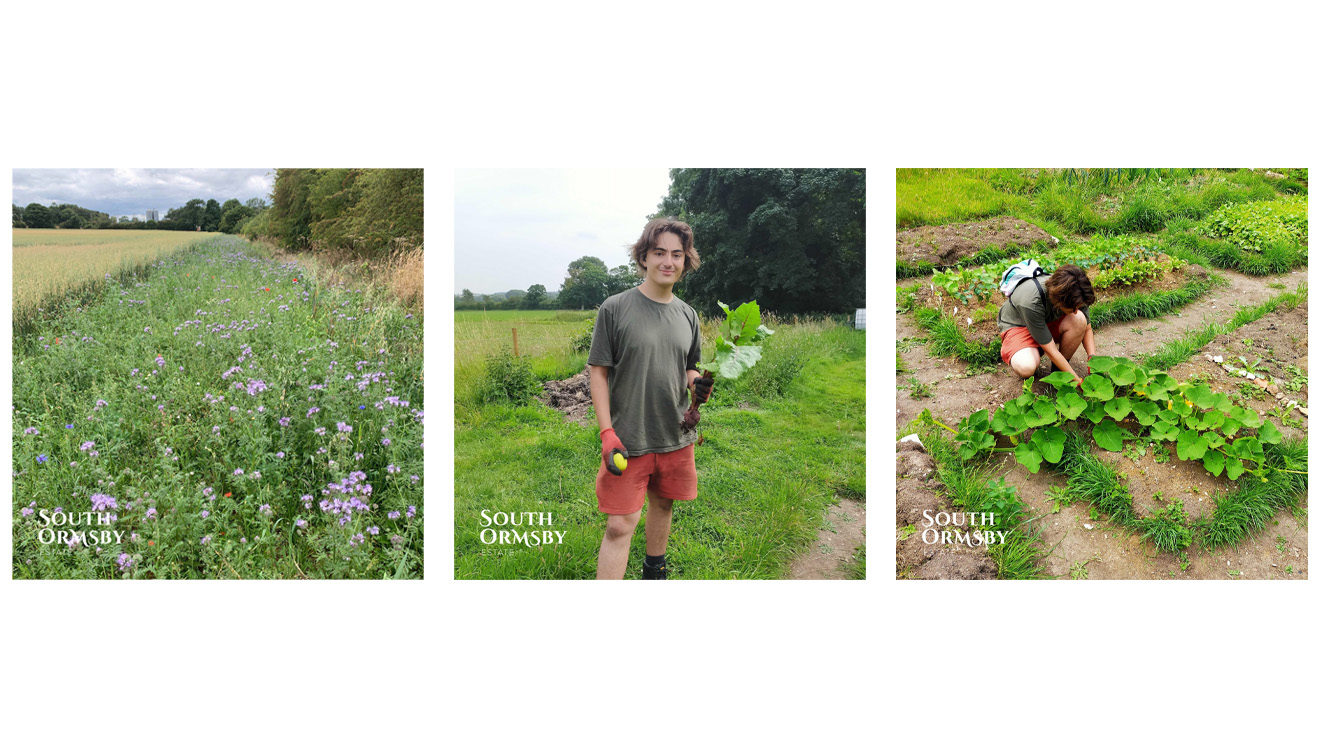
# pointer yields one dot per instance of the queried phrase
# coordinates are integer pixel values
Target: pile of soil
(946, 245)
(920, 491)
(571, 396)
(985, 325)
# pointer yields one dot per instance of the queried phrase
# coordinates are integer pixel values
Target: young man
(643, 360)
(1047, 315)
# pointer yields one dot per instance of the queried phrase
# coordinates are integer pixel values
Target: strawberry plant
(1124, 402)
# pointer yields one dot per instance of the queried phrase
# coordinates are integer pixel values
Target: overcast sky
(132, 192)
(517, 227)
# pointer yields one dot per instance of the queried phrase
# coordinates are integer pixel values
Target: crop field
(223, 415)
(1183, 454)
(759, 511)
(49, 263)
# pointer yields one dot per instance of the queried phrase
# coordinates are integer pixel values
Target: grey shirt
(648, 347)
(1030, 308)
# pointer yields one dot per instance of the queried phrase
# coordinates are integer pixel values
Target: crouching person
(1047, 316)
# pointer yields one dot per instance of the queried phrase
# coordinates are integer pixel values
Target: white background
(677, 84)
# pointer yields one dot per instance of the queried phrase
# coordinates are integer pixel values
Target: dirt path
(1084, 548)
(842, 534)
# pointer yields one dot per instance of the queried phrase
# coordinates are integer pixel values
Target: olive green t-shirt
(648, 347)
(1030, 308)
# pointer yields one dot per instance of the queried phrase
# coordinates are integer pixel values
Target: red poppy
(227, 495)
(295, 280)
(151, 542)
(267, 288)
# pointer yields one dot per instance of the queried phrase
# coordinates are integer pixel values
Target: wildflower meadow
(220, 415)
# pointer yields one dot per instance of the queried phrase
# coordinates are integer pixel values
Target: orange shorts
(1016, 338)
(671, 475)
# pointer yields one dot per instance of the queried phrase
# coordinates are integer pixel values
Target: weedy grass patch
(235, 417)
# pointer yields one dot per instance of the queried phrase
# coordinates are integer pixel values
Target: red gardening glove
(609, 444)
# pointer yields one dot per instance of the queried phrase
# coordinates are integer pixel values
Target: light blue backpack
(1015, 274)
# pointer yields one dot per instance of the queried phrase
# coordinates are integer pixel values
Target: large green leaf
(1070, 404)
(1110, 435)
(1097, 387)
(1058, 379)
(1248, 448)
(1212, 419)
(1049, 441)
(1145, 411)
(1250, 418)
(740, 359)
(1164, 431)
(1180, 406)
(1269, 433)
(1213, 439)
(1233, 467)
(1102, 364)
(1095, 412)
(1042, 413)
(974, 443)
(1118, 408)
(1214, 462)
(1230, 427)
(1201, 396)
(1159, 386)
(1168, 416)
(1191, 446)
(1123, 374)
(1222, 401)
(1028, 456)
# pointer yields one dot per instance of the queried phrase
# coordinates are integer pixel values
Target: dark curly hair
(1069, 288)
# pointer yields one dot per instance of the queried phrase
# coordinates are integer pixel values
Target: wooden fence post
(515, 342)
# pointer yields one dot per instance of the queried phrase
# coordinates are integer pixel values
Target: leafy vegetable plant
(737, 349)
(1125, 402)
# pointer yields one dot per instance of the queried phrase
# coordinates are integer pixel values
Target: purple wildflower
(279, 455)
(385, 442)
(42, 458)
(394, 515)
(265, 509)
(206, 540)
(412, 511)
(313, 411)
(27, 511)
(373, 530)
(124, 561)
(101, 502)
(344, 427)
(151, 512)
(86, 446)
(205, 513)
(31, 430)
(284, 421)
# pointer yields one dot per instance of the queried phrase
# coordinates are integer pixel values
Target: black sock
(655, 562)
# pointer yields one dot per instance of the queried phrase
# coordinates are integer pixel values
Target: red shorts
(1016, 338)
(671, 475)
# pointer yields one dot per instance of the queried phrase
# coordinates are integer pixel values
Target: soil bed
(571, 396)
(946, 245)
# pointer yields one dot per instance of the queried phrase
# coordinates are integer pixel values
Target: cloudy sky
(516, 227)
(131, 192)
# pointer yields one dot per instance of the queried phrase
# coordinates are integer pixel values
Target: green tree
(621, 279)
(587, 284)
(211, 216)
(18, 218)
(793, 239)
(535, 297)
(37, 216)
(233, 214)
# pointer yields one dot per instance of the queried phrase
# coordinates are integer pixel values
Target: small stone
(1089, 527)
(1248, 375)
(1218, 359)
(1303, 412)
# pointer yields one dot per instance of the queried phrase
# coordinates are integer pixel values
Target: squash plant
(1125, 401)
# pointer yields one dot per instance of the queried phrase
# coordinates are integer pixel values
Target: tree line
(196, 215)
(368, 212)
(792, 239)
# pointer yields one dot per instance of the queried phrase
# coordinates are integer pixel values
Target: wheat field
(50, 262)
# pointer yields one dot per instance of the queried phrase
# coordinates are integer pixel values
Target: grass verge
(1150, 304)
(1176, 351)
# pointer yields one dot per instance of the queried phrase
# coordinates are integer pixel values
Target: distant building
(153, 215)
